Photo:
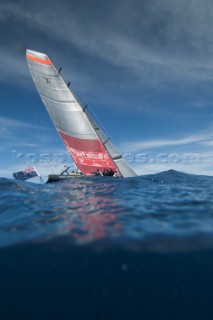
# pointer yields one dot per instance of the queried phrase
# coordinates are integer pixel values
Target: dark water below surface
(40, 282)
(103, 248)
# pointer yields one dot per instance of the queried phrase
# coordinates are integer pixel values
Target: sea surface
(106, 248)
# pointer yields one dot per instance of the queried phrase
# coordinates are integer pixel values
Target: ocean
(106, 248)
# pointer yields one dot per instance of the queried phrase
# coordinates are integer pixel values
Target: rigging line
(106, 141)
(37, 123)
(99, 122)
(37, 120)
(84, 108)
(35, 113)
(89, 110)
(79, 100)
(43, 131)
(87, 106)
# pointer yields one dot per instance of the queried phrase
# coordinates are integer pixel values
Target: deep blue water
(105, 248)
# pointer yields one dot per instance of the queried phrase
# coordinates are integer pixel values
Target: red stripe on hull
(88, 154)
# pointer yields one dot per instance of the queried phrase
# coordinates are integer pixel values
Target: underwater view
(107, 248)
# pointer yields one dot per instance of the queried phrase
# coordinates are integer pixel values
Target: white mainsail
(87, 144)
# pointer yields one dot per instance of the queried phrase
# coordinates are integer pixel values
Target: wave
(167, 211)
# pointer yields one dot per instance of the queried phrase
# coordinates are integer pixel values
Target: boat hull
(57, 177)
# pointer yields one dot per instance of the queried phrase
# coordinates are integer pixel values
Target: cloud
(202, 139)
(197, 160)
(16, 134)
(202, 168)
(159, 43)
(118, 51)
(165, 46)
(13, 69)
(10, 129)
(10, 123)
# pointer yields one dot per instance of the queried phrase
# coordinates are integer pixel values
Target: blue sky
(144, 67)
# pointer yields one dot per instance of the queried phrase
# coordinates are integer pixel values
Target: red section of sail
(39, 60)
(88, 154)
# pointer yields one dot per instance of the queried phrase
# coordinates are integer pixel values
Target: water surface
(107, 249)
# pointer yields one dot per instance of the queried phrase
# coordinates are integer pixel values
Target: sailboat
(88, 146)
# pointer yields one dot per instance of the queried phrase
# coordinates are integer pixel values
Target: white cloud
(135, 146)
(11, 128)
(13, 69)
(18, 134)
(165, 43)
(198, 160)
(10, 123)
(152, 62)
(202, 168)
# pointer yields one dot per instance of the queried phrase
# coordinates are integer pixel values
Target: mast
(88, 146)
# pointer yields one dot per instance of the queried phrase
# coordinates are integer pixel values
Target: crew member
(106, 172)
(111, 172)
(98, 173)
